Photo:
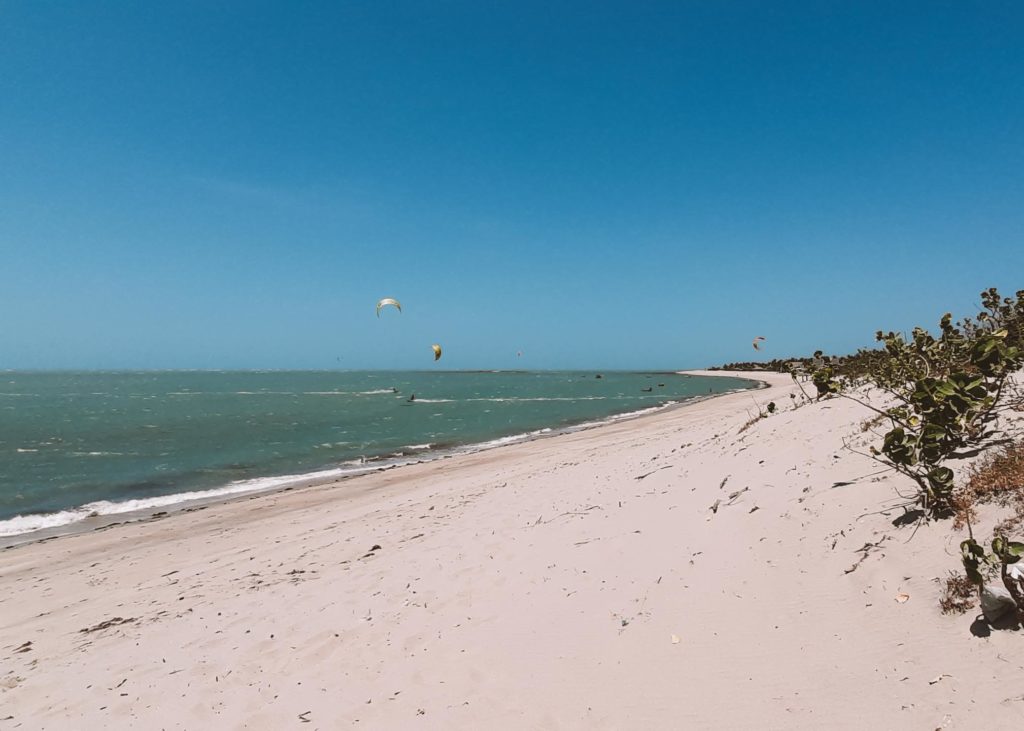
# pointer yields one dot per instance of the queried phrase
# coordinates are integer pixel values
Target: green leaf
(998, 545)
(970, 547)
(941, 479)
(899, 447)
(1007, 551)
(973, 555)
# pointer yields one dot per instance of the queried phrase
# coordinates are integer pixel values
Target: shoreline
(327, 475)
(696, 568)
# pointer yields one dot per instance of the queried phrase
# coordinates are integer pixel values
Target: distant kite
(388, 301)
(437, 351)
(757, 342)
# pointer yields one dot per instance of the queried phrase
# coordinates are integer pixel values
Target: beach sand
(577, 582)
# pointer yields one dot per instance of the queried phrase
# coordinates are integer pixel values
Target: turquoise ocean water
(73, 444)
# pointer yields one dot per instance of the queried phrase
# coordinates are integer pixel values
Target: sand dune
(581, 581)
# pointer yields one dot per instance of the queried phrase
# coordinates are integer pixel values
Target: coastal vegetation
(941, 396)
(997, 478)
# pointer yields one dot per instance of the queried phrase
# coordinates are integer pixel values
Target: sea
(75, 445)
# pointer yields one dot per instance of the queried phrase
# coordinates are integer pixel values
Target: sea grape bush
(823, 375)
(980, 565)
(948, 389)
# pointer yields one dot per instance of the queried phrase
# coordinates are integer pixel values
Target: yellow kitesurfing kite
(388, 301)
(757, 342)
(437, 351)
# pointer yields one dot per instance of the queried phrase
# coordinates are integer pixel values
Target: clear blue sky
(600, 185)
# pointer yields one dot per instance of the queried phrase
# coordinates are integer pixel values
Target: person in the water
(412, 398)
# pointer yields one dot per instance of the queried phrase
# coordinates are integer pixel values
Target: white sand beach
(666, 572)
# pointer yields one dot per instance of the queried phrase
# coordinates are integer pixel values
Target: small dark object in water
(412, 398)
(598, 376)
(394, 390)
(661, 385)
(647, 390)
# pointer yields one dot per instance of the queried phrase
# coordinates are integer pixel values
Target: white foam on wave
(34, 522)
(517, 399)
(231, 393)
(619, 417)
(29, 523)
(511, 439)
(374, 392)
(543, 398)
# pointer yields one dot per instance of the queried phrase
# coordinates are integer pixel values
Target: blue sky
(599, 185)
